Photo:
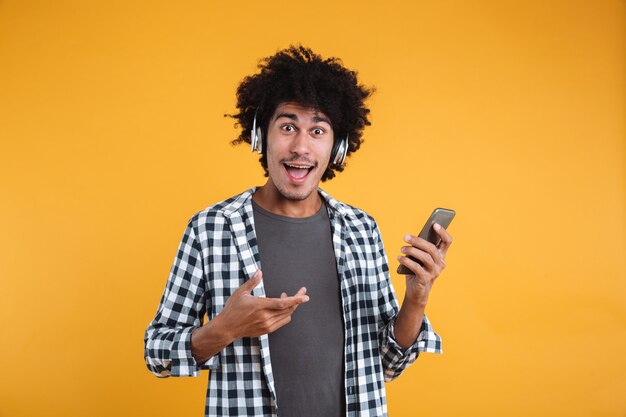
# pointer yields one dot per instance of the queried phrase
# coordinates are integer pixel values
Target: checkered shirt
(219, 252)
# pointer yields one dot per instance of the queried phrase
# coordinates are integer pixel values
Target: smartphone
(444, 218)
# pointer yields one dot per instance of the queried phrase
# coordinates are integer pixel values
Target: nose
(300, 143)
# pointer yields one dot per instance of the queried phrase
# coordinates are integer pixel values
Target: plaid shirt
(219, 252)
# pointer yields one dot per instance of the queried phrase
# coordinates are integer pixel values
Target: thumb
(250, 284)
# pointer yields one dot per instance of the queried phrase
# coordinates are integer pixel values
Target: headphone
(337, 155)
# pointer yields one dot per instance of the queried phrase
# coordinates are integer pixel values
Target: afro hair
(297, 74)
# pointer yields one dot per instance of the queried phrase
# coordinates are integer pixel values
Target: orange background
(513, 113)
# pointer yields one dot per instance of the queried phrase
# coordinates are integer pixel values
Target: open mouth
(297, 172)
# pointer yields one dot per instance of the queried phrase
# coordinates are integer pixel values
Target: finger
(446, 238)
(279, 322)
(250, 284)
(282, 303)
(419, 272)
(278, 316)
(426, 259)
(301, 292)
(269, 323)
(426, 246)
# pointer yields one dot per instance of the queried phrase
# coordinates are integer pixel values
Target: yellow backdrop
(513, 113)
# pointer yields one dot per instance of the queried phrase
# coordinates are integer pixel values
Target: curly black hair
(297, 74)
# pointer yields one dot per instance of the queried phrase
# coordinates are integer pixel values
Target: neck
(272, 200)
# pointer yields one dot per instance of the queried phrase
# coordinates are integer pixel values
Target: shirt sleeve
(167, 341)
(394, 358)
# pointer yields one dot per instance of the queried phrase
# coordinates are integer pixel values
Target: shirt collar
(240, 201)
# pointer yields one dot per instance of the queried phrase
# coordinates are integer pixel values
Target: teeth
(299, 166)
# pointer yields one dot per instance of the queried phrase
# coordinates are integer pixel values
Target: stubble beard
(293, 195)
(300, 193)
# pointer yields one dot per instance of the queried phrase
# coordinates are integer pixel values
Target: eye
(318, 131)
(288, 128)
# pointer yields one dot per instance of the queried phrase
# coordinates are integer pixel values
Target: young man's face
(299, 142)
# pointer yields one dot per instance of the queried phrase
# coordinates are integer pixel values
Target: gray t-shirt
(307, 353)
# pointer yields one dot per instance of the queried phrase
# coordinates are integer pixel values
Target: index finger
(283, 303)
(446, 238)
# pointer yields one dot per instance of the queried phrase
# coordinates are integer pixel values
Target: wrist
(209, 339)
(415, 305)
(220, 330)
(408, 323)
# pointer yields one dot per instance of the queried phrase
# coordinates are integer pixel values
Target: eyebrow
(292, 116)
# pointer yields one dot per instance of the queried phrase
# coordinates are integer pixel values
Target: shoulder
(353, 216)
(215, 215)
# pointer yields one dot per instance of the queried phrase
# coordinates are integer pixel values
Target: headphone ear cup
(256, 137)
(253, 140)
(259, 135)
(339, 152)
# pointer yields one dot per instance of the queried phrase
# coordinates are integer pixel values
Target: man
(326, 349)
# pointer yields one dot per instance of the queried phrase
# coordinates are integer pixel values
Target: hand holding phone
(441, 216)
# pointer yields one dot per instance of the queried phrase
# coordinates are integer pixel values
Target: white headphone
(337, 156)
(256, 137)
